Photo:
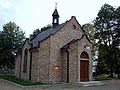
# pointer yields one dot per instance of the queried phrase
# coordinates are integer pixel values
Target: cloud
(5, 7)
(6, 4)
(18, 10)
(9, 10)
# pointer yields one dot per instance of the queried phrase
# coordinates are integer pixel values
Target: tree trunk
(118, 75)
(111, 72)
(117, 66)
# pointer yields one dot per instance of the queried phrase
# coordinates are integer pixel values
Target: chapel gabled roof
(34, 42)
(45, 34)
(26, 40)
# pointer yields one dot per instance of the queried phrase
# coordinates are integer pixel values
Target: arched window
(84, 55)
(25, 61)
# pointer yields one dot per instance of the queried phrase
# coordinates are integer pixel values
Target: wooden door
(84, 70)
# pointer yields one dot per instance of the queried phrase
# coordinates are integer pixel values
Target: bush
(101, 77)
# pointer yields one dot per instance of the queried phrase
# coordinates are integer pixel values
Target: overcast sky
(33, 14)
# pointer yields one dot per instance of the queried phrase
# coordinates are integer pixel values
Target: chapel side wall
(17, 65)
(73, 62)
(81, 47)
(25, 75)
(64, 65)
(44, 58)
(58, 40)
(35, 65)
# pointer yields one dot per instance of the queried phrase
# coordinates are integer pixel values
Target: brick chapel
(59, 54)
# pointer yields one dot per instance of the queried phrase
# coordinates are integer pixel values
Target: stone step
(92, 83)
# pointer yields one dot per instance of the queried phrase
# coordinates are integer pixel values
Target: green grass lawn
(12, 78)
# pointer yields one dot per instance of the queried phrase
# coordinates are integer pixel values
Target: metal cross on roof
(56, 5)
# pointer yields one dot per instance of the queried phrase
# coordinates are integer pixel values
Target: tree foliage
(11, 38)
(107, 26)
(90, 32)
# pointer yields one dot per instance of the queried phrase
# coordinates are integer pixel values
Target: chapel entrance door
(84, 67)
(84, 71)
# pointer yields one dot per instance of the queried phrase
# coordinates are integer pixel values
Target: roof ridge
(43, 35)
(39, 33)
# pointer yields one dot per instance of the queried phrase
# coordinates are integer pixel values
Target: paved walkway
(110, 85)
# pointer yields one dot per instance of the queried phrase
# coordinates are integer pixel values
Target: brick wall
(73, 63)
(64, 65)
(57, 41)
(22, 74)
(48, 56)
(81, 47)
(44, 58)
(35, 65)
(17, 65)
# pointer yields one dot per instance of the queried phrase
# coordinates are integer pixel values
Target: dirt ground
(110, 85)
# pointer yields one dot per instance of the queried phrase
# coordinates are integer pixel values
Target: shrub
(101, 77)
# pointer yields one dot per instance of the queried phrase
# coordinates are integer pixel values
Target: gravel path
(110, 85)
(8, 86)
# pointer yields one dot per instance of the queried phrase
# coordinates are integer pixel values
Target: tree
(37, 31)
(10, 40)
(107, 27)
(117, 40)
(102, 67)
(90, 31)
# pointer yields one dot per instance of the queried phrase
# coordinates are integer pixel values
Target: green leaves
(11, 38)
(90, 31)
(107, 26)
